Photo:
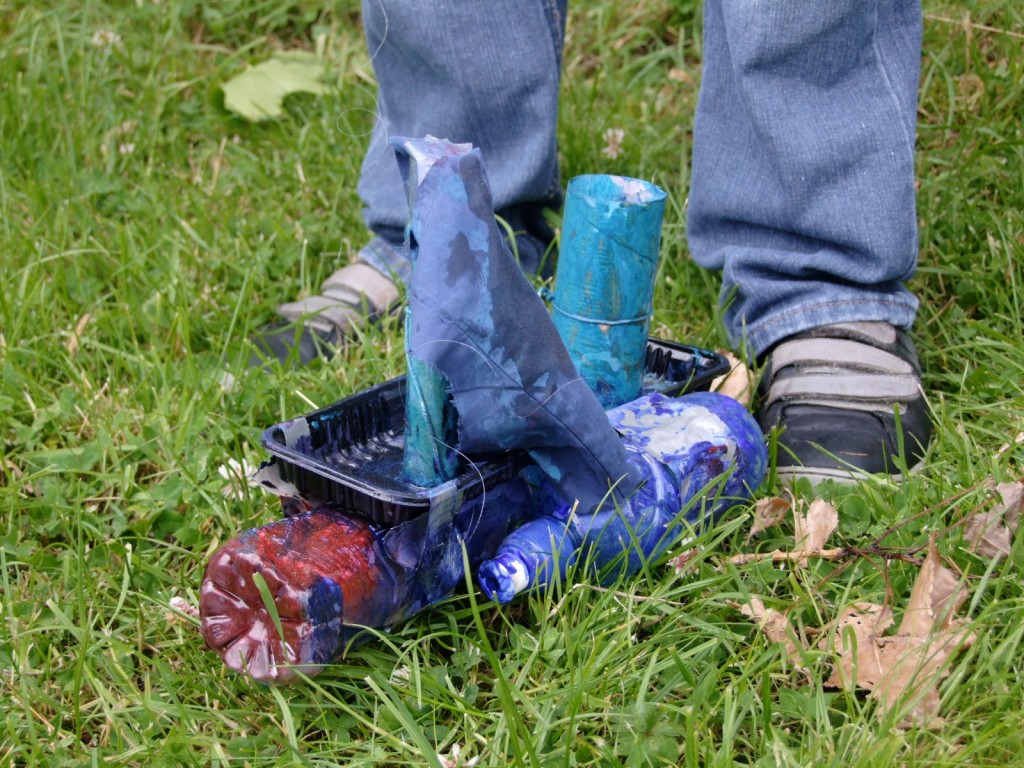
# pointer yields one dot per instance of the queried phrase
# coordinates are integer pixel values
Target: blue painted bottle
(699, 454)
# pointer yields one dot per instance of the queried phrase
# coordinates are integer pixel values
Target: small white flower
(454, 759)
(227, 381)
(613, 142)
(238, 476)
(105, 38)
(126, 148)
(179, 605)
(400, 674)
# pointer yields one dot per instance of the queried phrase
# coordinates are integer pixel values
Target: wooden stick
(778, 556)
(839, 553)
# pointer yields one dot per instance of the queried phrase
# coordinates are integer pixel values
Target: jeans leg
(803, 163)
(474, 72)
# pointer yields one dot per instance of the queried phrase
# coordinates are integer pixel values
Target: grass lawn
(145, 232)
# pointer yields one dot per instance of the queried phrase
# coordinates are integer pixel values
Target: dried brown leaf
(858, 622)
(912, 662)
(814, 528)
(737, 383)
(683, 562)
(898, 666)
(1012, 495)
(854, 640)
(913, 666)
(936, 596)
(768, 513)
(987, 535)
(990, 533)
(774, 625)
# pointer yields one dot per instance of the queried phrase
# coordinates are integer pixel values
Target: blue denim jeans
(469, 72)
(802, 189)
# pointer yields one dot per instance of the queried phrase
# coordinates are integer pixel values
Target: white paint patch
(633, 190)
(429, 150)
(519, 576)
(668, 436)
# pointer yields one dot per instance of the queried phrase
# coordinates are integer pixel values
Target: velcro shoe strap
(323, 314)
(847, 389)
(871, 332)
(360, 283)
(842, 354)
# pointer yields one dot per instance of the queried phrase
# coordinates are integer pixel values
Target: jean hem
(389, 259)
(767, 333)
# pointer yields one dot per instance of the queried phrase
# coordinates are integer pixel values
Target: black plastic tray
(350, 453)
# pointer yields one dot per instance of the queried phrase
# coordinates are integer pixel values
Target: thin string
(598, 321)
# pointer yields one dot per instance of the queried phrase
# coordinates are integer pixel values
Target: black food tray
(350, 453)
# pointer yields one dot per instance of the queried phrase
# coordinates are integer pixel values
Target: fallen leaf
(987, 536)
(737, 383)
(767, 514)
(936, 596)
(910, 663)
(913, 666)
(863, 619)
(856, 628)
(990, 533)
(814, 528)
(1012, 495)
(258, 93)
(774, 625)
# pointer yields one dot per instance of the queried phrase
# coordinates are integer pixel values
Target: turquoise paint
(604, 282)
(431, 426)
(430, 457)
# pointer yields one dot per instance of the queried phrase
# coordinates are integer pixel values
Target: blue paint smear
(699, 455)
(325, 609)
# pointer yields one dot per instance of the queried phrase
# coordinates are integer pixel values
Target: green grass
(145, 232)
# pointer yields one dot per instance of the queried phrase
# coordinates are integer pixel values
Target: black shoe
(847, 402)
(292, 344)
(351, 298)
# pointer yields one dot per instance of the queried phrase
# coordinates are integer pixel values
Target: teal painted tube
(604, 282)
(431, 426)
(431, 420)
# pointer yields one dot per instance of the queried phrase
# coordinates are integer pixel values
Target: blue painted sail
(477, 322)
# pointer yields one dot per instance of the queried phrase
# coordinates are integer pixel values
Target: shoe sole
(850, 476)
